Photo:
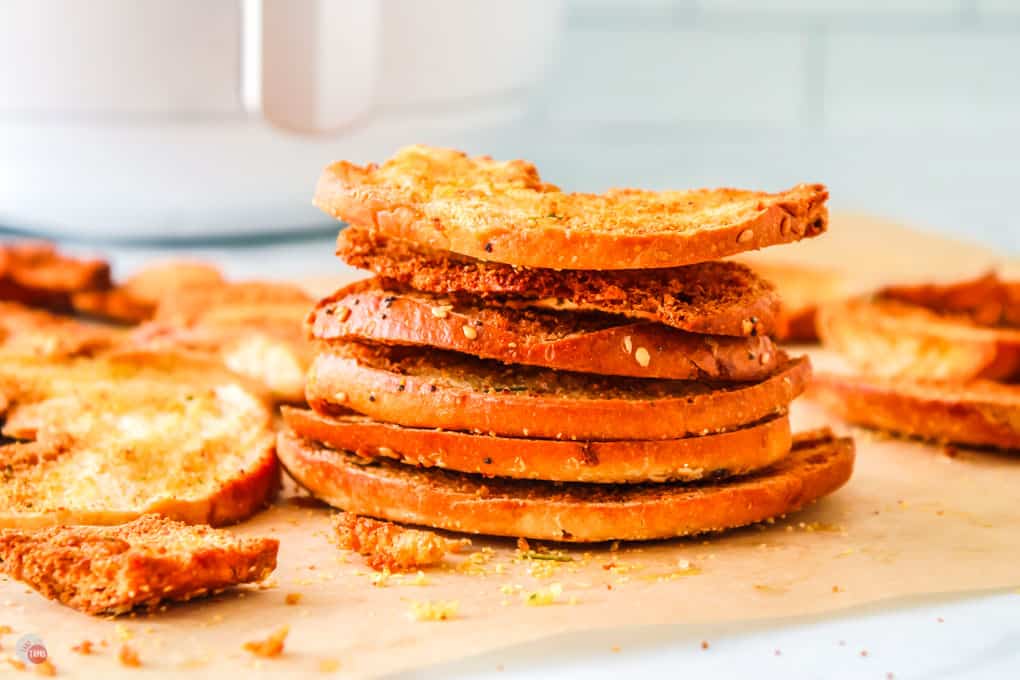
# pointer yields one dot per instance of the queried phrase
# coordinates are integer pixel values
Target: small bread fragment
(633, 461)
(385, 545)
(34, 273)
(976, 413)
(432, 388)
(889, 338)
(818, 465)
(105, 440)
(503, 212)
(137, 297)
(37, 332)
(720, 298)
(586, 342)
(112, 570)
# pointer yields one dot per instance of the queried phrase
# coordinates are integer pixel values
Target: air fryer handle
(310, 66)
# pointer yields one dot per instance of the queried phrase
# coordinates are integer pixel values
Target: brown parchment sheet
(915, 519)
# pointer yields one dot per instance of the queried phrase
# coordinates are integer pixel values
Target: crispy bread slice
(105, 440)
(254, 328)
(986, 300)
(112, 570)
(724, 298)
(137, 298)
(36, 332)
(891, 338)
(802, 290)
(977, 413)
(432, 388)
(818, 465)
(586, 342)
(609, 462)
(34, 273)
(503, 212)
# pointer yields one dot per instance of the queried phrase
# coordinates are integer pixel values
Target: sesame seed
(469, 332)
(642, 356)
(344, 314)
(440, 311)
(745, 236)
(628, 346)
(340, 396)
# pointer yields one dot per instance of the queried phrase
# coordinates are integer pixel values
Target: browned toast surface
(607, 462)
(112, 570)
(889, 338)
(818, 465)
(432, 388)
(35, 273)
(105, 440)
(502, 211)
(385, 545)
(978, 413)
(37, 332)
(986, 300)
(586, 342)
(724, 298)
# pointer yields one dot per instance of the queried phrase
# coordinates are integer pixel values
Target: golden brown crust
(112, 570)
(586, 342)
(891, 338)
(610, 462)
(978, 413)
(432, 388)
(105, 440)
(503, 212)
(986, 300)
(37, 332)
(137, 298)
(385, 545)
(35, 274)
(818, 465)
(723, 298)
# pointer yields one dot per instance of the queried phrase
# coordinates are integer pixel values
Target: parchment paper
(915, 519)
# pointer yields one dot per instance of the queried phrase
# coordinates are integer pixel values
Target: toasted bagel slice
(977, 413)
(585, 342)
(105, 440)
(721, 298)
(891, 338)
(609, 462)
(818, 465)
(34, 273)
(112, 570)
(28, 331)
(502, 211)
(432, 388)
(137, 298)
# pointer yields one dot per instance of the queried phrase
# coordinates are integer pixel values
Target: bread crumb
(704, 644)
(292, 598)
(128, 657)
(541, 598)
(46, 667)
(16, 663)
(434, 611)
(329, 666)
(84, 648)
(388, 546)
(271, 647)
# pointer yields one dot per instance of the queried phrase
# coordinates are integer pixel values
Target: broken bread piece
(148, 561)
(35, 273)
(385, 545)
(105, 440)
(502, 211)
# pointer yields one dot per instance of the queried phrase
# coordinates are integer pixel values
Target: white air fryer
(156, 119)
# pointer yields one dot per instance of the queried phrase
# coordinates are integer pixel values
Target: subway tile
(967, 82)
(678, 75)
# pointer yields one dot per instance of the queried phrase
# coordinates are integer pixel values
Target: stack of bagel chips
(571, 367)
